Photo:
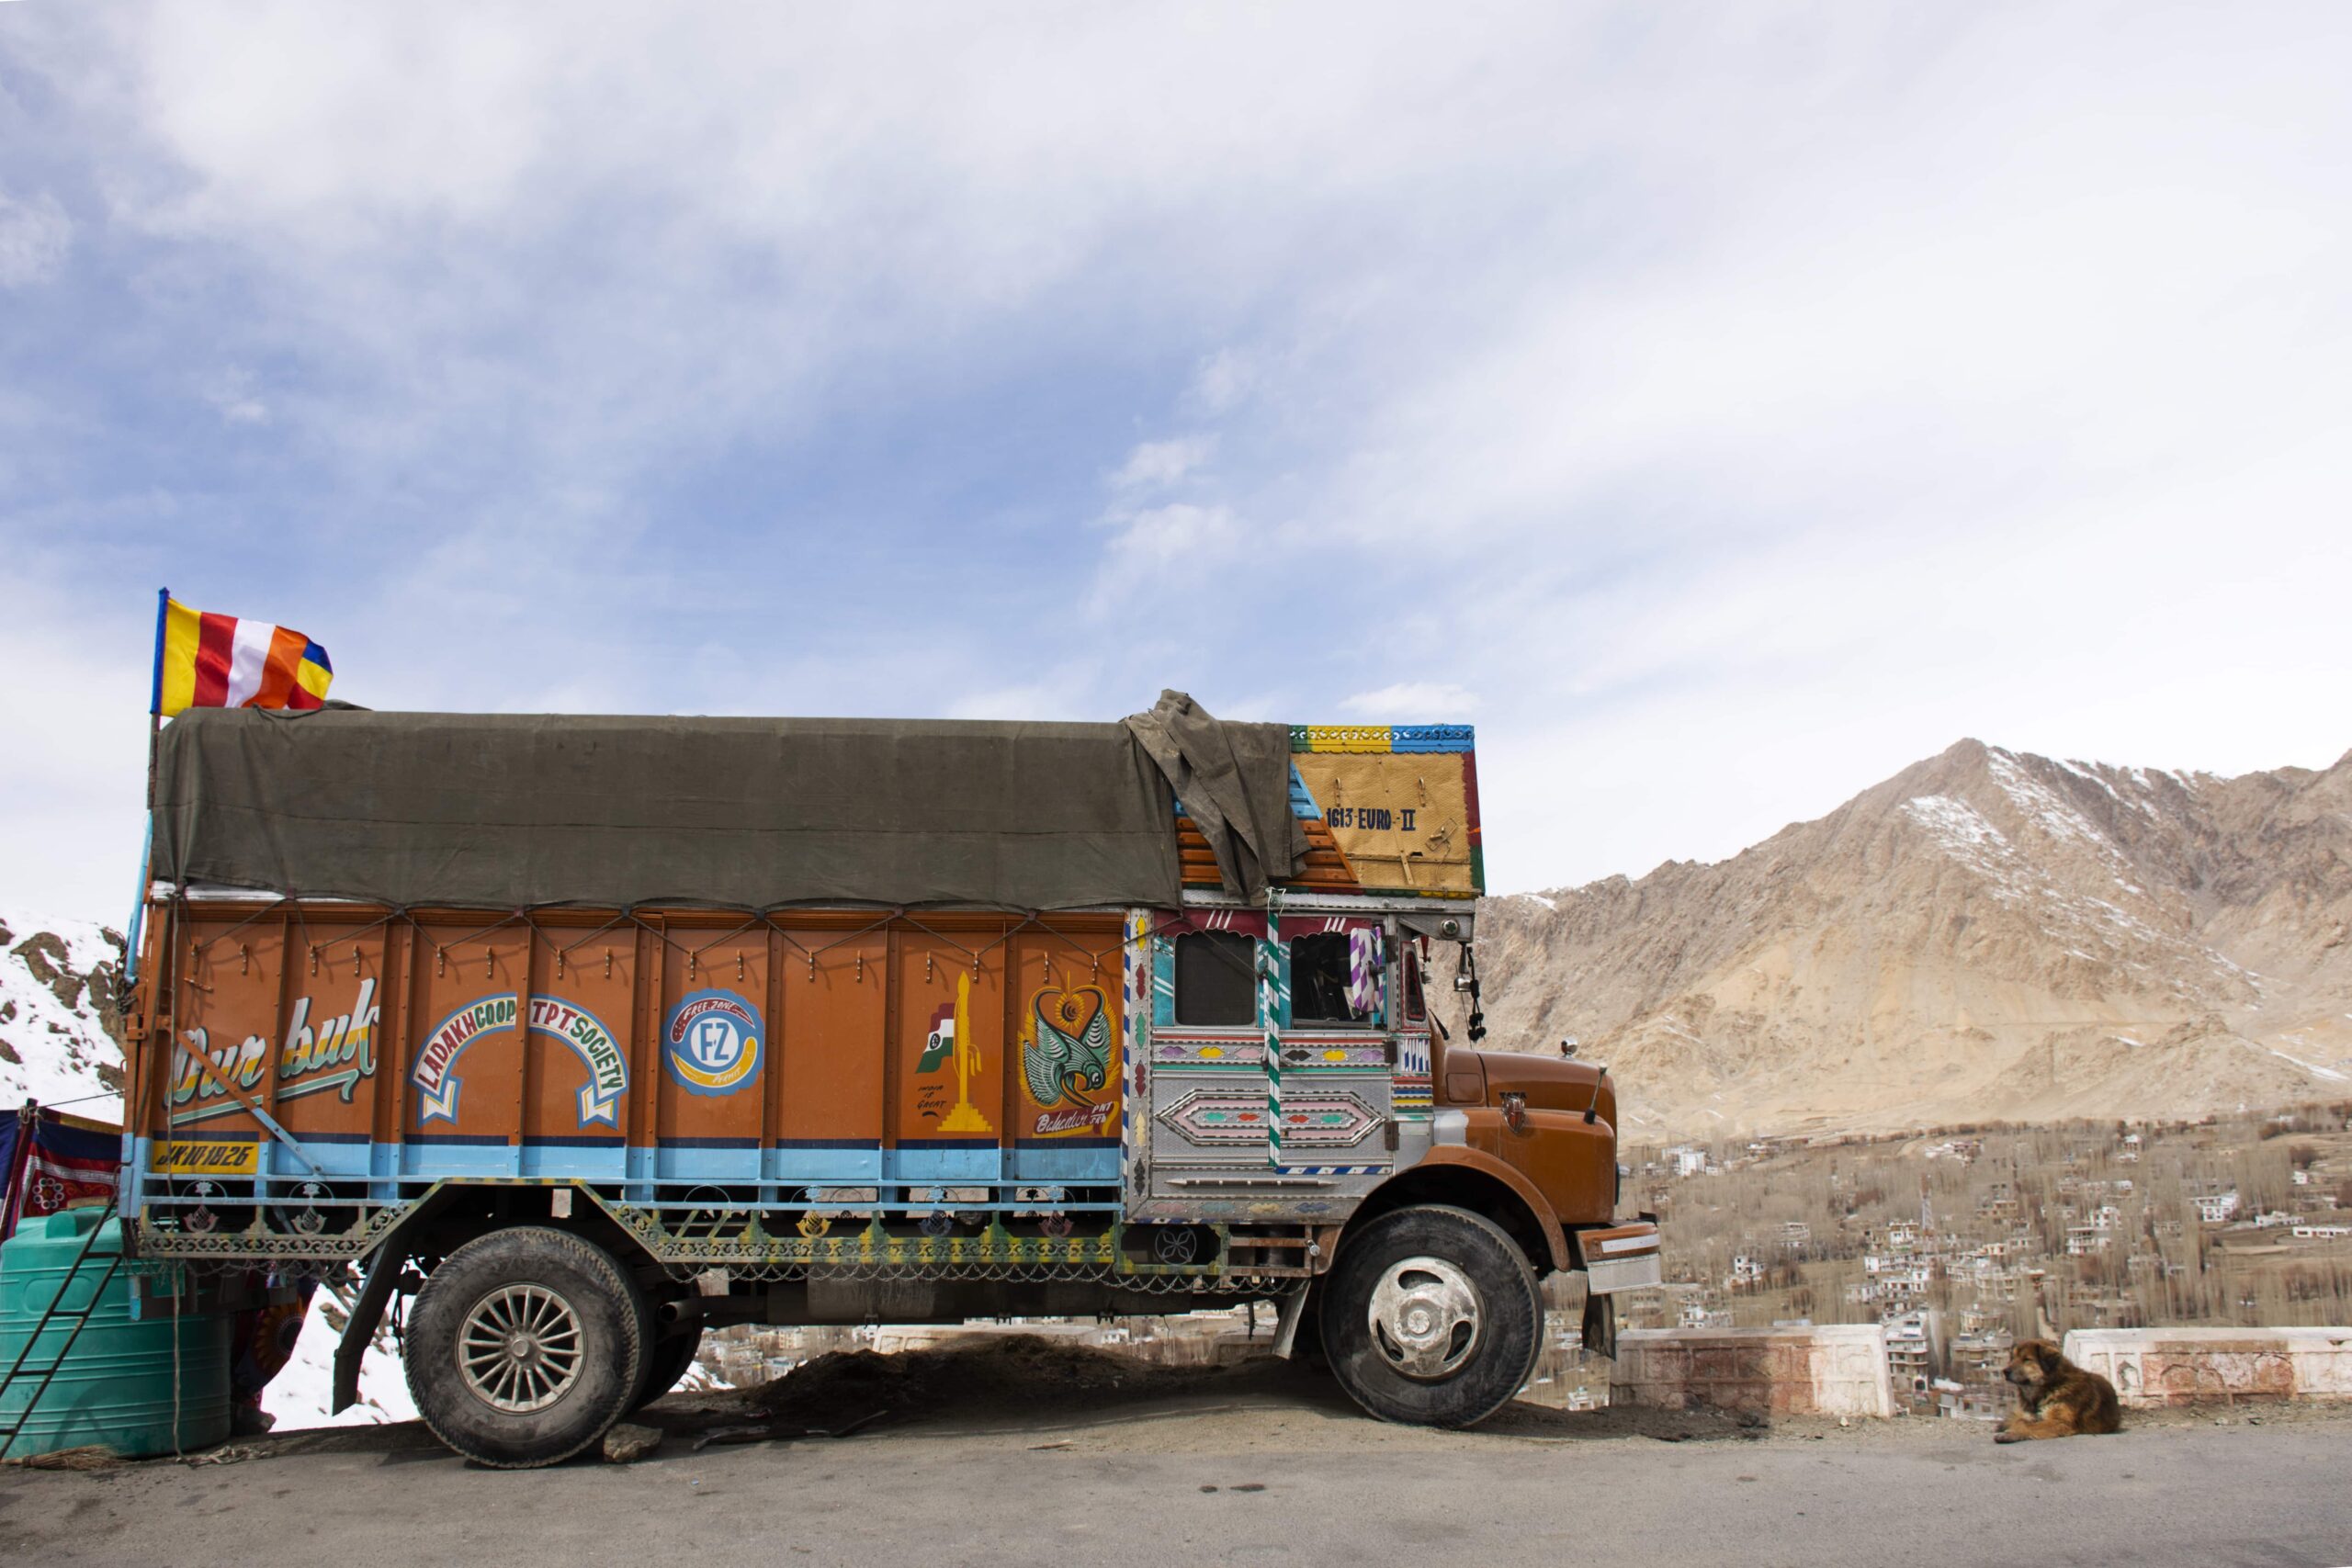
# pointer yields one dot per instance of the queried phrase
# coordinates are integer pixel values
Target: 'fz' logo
(715, 1042)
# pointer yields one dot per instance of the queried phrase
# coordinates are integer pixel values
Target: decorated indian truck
(568, 1037)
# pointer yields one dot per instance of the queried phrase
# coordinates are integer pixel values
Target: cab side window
(1216, 978)
(1319, 966)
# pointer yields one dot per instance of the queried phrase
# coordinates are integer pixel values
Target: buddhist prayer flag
(222, 661)
(48, 1161)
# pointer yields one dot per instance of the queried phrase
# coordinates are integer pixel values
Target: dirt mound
(1017, 1372)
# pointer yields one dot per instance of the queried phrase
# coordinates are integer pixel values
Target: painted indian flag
(204, 660)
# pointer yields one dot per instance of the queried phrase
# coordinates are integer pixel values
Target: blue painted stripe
(1301, 803)
(944, 1163)
(1068, 1167)
(702, 1162)
(851, 1165)
(590, 1162)
(670, 1171)
(1431, 738)
(455, 1155)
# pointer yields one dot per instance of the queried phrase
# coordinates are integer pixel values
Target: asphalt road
(1286, 1479)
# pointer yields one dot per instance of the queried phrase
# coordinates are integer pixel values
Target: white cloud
(1155, 464)
(1159, 552)
(1413, 702)
(1223, 380)
(1058, 696)
(35, 238)
(73, 787)
(230, 395)
(1740, 412)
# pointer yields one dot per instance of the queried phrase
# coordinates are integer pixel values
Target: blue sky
(1722, 407)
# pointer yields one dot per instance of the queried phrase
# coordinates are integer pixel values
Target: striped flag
(222, 661)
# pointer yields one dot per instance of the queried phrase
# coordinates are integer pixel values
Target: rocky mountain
(1989, 935)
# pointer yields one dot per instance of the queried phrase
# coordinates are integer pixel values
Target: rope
(80, 1099)
(179, 1302)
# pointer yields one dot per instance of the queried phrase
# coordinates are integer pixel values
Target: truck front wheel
(524, 1345)
(1431, 1317)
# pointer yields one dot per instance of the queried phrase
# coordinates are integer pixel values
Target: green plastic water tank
(117, 1387)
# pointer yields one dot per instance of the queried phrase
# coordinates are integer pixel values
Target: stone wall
(2151, 1367)
(1830, 1370)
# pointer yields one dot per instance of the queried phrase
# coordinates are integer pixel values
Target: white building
(2216, 1208)
(1911, 1350)
(2084, 1241)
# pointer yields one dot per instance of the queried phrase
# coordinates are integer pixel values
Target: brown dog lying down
(2055, 1397)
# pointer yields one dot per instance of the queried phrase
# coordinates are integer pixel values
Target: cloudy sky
(1722, 407)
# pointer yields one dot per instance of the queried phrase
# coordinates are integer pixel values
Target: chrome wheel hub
(1425, 1318)
(519, 1348)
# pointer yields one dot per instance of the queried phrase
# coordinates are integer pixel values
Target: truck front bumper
(1622, 1257)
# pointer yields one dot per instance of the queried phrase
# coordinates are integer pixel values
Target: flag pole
(147, 849)
(156, 695)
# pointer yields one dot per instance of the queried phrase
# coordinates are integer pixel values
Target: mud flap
(1286, 1321)
(360, 1331)
(1600, 1332)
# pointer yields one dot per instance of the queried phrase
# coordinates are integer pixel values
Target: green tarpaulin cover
(510, 811)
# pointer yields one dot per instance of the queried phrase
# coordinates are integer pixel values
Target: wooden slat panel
(1324, 867)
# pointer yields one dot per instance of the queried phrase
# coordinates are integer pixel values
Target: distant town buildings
(2002, 1232)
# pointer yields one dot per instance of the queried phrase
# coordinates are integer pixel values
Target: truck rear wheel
(524, 1345)
(667, 1360)
(1431, 1317)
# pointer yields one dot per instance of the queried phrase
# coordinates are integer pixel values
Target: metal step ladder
(54, 1313)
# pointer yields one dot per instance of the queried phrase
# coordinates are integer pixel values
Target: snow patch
(2049, 810)
(1968, 837)
(2311, 1067)
(1958, 823)
(304, 1388)
(60, 1044)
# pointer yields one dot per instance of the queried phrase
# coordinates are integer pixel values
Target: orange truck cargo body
(666, 1052)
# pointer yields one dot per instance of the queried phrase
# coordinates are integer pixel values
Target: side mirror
(1568, 1046)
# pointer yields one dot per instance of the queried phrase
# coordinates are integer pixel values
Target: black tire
(1461, 1372)
(579, 1295)
(665, 1363)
